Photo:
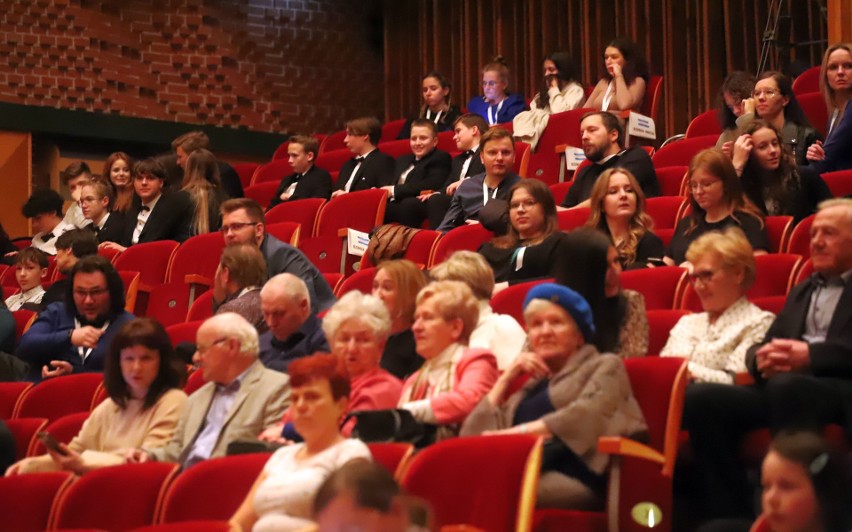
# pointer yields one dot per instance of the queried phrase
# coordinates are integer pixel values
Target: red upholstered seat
(23, 320)
(707, 123)
(198, 255)
(460, 479)
(287, 232)
(391, 456)
(805, 271)
(333, 279)
(150, 259)
(261, 192)
(800, 239)
(511, 299)
(661, 286)
(839, 182)
(333, 142)
(362, 280)
(665, 210)
(109, 253)
(246, 171)
(281, 151)
(653, 96)
(396, 148)
(468, 237)
(184, 332)
(10, 394)
(169, 303)
(681, 152)
(26, 501)
(272, 172)
(807, 81)
(573, 218)
(390, 130)
(773, 304)
(201, 309)
(63, 429)
(813, 105)
(672, 180)
(194, 382)
(562, 129)
(660, 323)
(126, 495)
(59, 396)
(522, 159)
(23, 430)
(304, 212)
(560, 190)
(331, 161)
(198, 493)
(778, 229)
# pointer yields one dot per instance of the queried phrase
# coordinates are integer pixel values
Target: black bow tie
(360, 159)
(47, 236)
(145, 208)
(94, 228)
(468, 154)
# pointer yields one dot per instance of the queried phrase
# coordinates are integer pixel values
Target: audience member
(716, 202)
(396, 284)
(307, 180)
(618, 209)
(425, 169)
(496, 105)
(237, 282)
(294, 330)
(6, 245)
(44, 209)
(570, 382)
(241, 397)
(498, 156)
(498, 333)
(74, 335)
(8, 334)
(454, 377)
(201, 182)
(188, 143)
(74, 177)
(437, 106)
(603, 145)
(560, 92)
(770, 177)
(118, 169)
(282, 496)
(370, 168)
(70, 247)
(593, 270)
(142, 377)
(31, 267)
(801, 367)
(96, 201)
(735, 91)
(715, 341)
(242, 223)
(835, 84)
(624, 78)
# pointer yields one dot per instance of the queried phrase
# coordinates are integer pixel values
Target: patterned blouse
(633, 338)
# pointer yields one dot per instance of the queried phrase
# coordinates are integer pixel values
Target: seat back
(807, 81)
(774, 273)
(396, 148)
(59, 396)
(510, 300)
(10, 395)
(839, 182)
(653, 96)
(201, 309)
(198, 492)
(304, 212)
(813, 105)
(333, 142)
(560, 190)
(562, 128)
(446, 142)
(468, 237)
(288, 232)
(331, 161)
(459, 479)
(150, 259)
(392, 456)
(665, 210)
(800, 238)
(362, 210)
(681, 152)
(281, 151)
(805, 271)
(109, 254)
(272, 172)
(27, 501)
(63, 429)
(198, 255)
(169, 303)
(707, 123)
(778, 229)
(194, 382)
(131, 288)
(522, 159)
(573, 218)
(362, 280)
(660, 286)
(390, 130)
(261, 192)
(246, 171)
(183, 332)
(672, 180)
(24, 431)
(23, 320)
(660, 323)
(127, 497)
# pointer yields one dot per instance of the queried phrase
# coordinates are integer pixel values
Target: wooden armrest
(142, 287)
(560, 148)
(618, 445)
(194, 278)
(342, 232)
(743, 378)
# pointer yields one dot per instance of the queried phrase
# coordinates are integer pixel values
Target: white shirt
(142, 218)
(33, 295)
(100, 225)
(49, 245)
(498, 333)
(74, 216)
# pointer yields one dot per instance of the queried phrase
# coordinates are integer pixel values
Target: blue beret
(571, 301)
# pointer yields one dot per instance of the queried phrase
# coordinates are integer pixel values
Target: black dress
(400, 357)
(540, 261)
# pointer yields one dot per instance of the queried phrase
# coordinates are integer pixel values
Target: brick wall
(266, 65)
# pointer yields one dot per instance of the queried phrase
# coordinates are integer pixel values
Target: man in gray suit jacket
(241, 397)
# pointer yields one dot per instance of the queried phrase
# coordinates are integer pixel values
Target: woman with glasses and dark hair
(496, 105)
(142, 378)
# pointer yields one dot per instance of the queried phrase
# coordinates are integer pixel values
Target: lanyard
(493, 119)
(84, 352)
(485, 194)
(437, 116)
(610, 91)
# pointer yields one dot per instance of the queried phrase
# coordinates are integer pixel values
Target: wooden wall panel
(692, 43)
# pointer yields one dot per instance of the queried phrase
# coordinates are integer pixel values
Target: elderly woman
(357, 328)
(141, 376)
(282, 496)
(454, 378)
(574, 396)
(499, 333)
(715, 341)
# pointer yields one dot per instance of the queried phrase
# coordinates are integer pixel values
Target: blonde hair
(469, 267)
(732, 248)
(453, 300)
(409, 280)
(201, 180)
(829, 94)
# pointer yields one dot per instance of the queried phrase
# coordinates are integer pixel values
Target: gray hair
(286, 285)
(838, 202)
(232, 325)
(355, 305)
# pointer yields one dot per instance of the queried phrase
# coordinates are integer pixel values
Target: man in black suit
(195, 140)
(307, 180)
(802, 370)
(370, 168)
(96, 199)
(426, 168)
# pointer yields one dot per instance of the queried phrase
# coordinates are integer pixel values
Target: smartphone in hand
(51, 443)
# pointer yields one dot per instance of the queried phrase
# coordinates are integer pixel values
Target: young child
(30, 269)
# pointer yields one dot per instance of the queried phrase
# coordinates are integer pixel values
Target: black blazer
(316, 183)
(375, 171)
(171, 219)
(230, 180)
(475, 168)
(428, 174)
(113, 229)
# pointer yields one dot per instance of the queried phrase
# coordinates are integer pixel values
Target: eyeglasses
(204, 348)
(769, 93)
(490, 83)
(235, 227)
(703, 186)
(82, 293)
(526, 204)
(704, 276)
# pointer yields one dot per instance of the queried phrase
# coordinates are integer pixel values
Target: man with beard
(74, 337)
(603, 140)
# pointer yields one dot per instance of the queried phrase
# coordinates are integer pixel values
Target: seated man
(70, 247)
(498, 156)
(75, 337)
(96, 199)
(44, 209)
(237, 283)
(294, 331)
(241, 397)
(802, 369)
(187, 143)
(426, 168)
(307, 179)
(603, 145)
(370, 168)
(74, 177)
(30, 270)
(242, 223)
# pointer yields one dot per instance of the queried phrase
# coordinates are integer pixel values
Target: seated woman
(618, 209)
(357, 328)
(717, 201)
(396, 284)
(592, 268)
(498, 333)
(773, 100)
(770, 177)
(570, 385)
(734, 92)
(117, 170)
(715, 341)
(142, 376)
(282, 496)
(625, 75)
(495, 105)
(454, 378)
(201, 181)
(533, 242)
(560, 92)
(836, 88)
(437, 105)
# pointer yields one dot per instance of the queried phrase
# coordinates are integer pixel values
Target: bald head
(286, 304)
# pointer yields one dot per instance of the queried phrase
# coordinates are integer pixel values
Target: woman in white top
(282, 496)
(715, 341)
(622, 86)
